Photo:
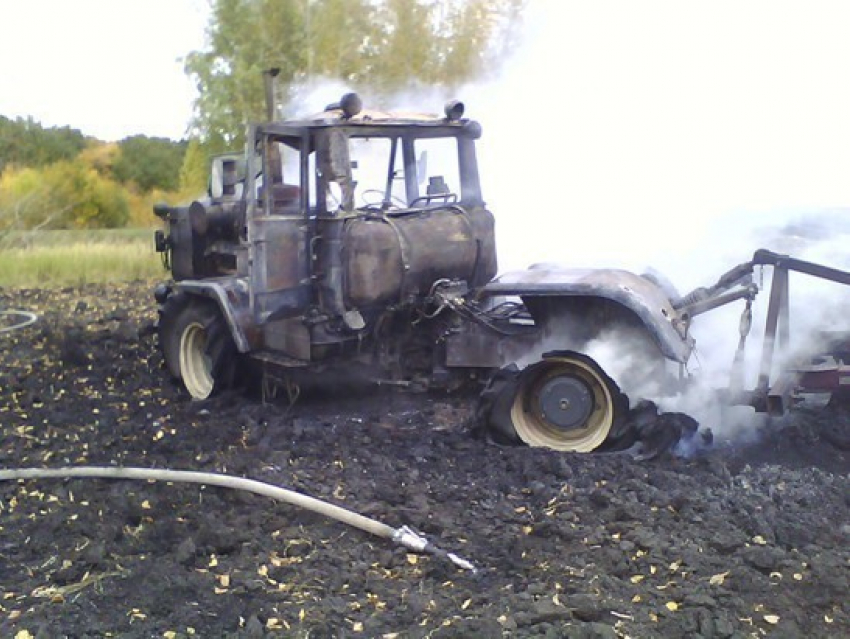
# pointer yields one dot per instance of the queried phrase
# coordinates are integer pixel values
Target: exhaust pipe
(273, 159)
(270, 85)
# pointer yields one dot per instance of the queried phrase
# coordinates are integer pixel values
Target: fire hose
(403, 536)
(20, 319)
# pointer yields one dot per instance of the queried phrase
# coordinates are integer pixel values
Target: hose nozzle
(409, 538)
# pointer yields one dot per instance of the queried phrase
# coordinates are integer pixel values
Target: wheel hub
(195, 365)
(565, 402)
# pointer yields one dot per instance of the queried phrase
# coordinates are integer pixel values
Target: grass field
(53, 258)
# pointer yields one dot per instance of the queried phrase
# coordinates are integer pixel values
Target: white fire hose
(403, 536)
(21, 319)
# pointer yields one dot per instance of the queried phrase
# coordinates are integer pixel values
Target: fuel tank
(391, 257)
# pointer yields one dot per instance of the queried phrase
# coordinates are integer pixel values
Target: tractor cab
(341, 163)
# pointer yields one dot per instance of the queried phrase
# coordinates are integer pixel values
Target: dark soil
(738, 542)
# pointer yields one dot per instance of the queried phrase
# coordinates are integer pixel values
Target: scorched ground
(741, 541)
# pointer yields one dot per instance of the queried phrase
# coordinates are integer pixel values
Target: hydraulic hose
(25, 318)
(403, 536)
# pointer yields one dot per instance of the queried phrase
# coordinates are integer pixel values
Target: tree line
(60, 178)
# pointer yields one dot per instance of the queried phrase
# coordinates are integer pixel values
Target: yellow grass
(50, 258)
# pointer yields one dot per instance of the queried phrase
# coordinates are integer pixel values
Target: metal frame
(773, 398)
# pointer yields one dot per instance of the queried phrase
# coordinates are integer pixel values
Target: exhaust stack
(273, 158)
(270, 85)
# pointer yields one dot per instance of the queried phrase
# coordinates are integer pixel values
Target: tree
(63, 195)
(194, 174)
(149, 163)
(24, 142)
(375, 46)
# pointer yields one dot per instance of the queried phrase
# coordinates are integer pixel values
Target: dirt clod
(741, 541)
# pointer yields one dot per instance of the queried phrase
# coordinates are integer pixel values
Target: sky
(667, 122)
(111, 68)
(619, 131)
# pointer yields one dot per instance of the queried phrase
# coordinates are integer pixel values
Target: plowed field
(738, 542)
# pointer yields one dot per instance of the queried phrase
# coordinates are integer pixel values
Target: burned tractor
(359, 241)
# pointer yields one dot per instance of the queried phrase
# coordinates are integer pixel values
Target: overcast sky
(111, 68)
(667, 129)
(641, 122)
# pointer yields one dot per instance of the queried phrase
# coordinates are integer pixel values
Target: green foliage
(63, 195)
(24, 142)
(54, 178)
(194, 173)
(376, 46)
(149, 163)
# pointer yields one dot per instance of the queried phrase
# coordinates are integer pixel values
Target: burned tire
(206, 355)
(169, 337)
(565, 402)
(493, 411)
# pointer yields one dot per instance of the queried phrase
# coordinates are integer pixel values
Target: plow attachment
(827, 371)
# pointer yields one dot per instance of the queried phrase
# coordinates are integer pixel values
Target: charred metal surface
(646, 300)
(280, 275)
(231, 296)
(825, 380)
(478, 346)
(701, 306)
(290, 336)
(830, 376)
(330, 274)
(777, 397)
(309, 273)
(780, 396)
(777, 309)
(392, 257)
(302, 275)
(765, 257)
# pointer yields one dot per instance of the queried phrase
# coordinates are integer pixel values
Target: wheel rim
(563, 403)
(195, 365)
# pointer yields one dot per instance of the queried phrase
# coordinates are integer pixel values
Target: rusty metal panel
(390, 257)
(288, 336)
(280, 273)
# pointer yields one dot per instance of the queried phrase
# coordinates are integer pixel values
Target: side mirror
(226, 174)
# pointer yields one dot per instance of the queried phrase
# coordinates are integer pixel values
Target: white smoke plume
(675, 135)
(682, 137)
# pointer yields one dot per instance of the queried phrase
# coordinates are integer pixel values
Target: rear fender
(549, 290)
(231, 297)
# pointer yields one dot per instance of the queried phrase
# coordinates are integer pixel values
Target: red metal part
(825, 380)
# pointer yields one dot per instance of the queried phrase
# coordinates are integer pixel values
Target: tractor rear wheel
(205, 352)
(566, 402)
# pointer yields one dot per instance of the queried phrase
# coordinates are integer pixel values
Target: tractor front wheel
(203, 349)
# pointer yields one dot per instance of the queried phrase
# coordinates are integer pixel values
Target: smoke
(678, 136)
(682, 137)
(631, 133)
(313, 94)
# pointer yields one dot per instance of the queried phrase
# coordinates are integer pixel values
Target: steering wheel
(395, 201)
(447, 198)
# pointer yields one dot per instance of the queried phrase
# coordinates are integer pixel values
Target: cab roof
(370, 117)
